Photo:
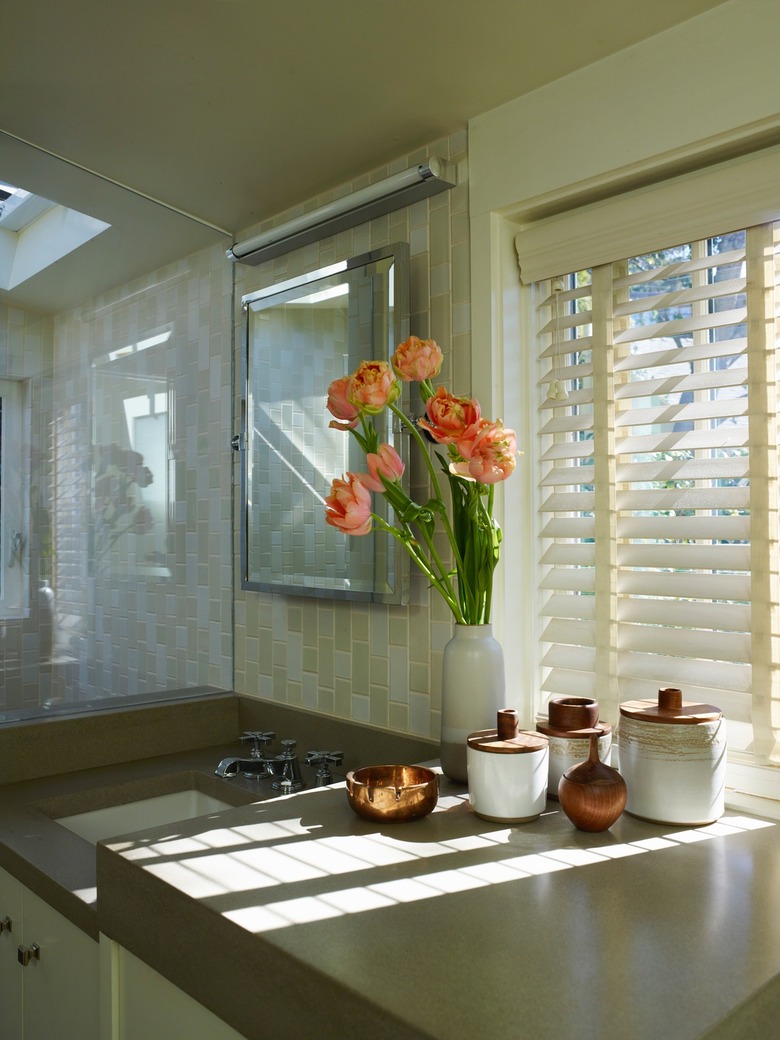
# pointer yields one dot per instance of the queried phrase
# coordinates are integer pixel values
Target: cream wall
(702, 91)
(370, 663)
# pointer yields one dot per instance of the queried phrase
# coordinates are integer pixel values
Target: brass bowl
(392, 794)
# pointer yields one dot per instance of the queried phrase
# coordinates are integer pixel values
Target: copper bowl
(392, 794)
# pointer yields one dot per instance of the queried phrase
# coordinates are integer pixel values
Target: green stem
(412, 427)
(441, 584)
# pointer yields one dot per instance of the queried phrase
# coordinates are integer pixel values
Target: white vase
(473, 690)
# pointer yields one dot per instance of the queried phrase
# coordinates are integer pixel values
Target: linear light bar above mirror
(418, 182)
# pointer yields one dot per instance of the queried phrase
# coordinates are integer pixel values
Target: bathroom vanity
(292, 916)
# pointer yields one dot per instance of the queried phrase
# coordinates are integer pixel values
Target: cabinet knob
(27, 953)
(6, 925)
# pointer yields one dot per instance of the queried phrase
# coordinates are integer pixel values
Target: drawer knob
(27, 953)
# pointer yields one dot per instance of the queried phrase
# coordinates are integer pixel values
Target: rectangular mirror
(300, 335)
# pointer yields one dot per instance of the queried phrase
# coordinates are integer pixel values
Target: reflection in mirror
(300, 336)
(132, 433)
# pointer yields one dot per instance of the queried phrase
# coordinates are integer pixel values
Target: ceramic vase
(473, 690)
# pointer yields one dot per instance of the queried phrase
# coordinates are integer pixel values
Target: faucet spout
(231, 767)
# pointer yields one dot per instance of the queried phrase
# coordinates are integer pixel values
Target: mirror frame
(396, 330)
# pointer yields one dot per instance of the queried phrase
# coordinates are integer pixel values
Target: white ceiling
(232, 110)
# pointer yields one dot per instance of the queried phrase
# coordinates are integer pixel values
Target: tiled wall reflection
(26, 648)
(134, 385)
(370, 663)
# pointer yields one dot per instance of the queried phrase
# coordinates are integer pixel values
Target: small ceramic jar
(507, 771)
(567, 717)
(673, 759)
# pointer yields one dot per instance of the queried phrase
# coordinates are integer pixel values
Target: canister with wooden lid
(567, 728)
(507, 771)
(673, 759)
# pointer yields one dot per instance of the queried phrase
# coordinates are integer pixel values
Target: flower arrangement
(479, 454)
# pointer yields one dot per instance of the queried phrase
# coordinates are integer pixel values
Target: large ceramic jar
(673, 759)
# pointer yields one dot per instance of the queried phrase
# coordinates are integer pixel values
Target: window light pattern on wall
(659, 557)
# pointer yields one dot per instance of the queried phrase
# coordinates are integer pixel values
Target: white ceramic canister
(507, 771)
(566, 717)
(673, 759)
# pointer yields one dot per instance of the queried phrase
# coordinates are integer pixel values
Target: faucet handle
(259, 740)
(324, 759)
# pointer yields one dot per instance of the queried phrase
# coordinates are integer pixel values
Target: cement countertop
(296, 915)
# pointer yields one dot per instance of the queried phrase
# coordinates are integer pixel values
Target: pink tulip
(385, 463)
(372, 387)
(417, 359)
(348, 506)
(449, 416)
(489, 450)
(339, 406)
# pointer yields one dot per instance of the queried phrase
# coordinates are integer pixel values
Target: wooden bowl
(392, 794)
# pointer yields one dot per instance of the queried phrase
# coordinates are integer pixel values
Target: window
(13, 544)
(660, 507)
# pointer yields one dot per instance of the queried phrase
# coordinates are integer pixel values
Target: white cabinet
(56, 993)
(149, 1007)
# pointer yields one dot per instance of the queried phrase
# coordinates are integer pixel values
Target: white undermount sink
(139, 815)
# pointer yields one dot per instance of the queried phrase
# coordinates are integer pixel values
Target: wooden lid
(523, 743)
(572, 734)
(671, 708)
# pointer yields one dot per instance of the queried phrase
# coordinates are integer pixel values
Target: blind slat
(731, 467)
(681, 355)
(732, 436)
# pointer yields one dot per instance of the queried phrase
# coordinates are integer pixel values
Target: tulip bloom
(348, 506)
(489, 450)
(372, 387)
(449, 416)
(417, 359)
(340, 407)
(385, 463)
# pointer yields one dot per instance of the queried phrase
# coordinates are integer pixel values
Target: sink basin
(136, 816)
(104, 812)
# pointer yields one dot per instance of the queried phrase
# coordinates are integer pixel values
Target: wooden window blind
(659, 431)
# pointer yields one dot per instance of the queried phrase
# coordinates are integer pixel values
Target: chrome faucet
(286, 769)
(324, 759)
(257, 766)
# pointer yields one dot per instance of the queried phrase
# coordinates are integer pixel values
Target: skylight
(35, 232)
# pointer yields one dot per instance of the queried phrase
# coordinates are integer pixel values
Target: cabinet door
(56, 995)
(61, 989)
(152, 1008)
(10, 971)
